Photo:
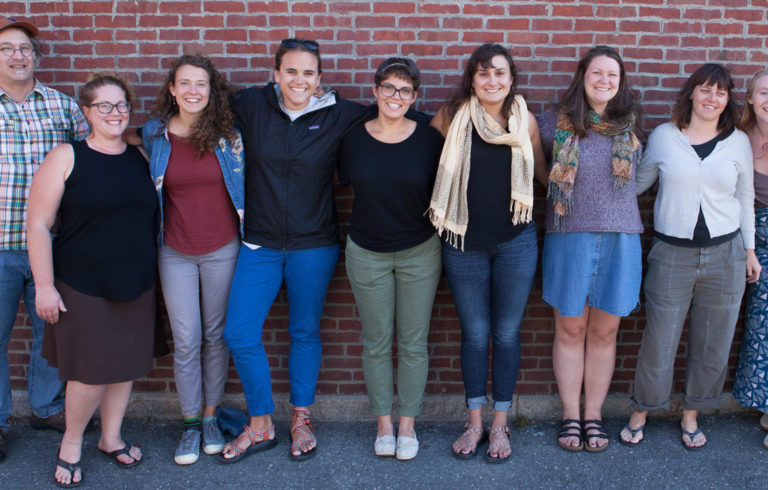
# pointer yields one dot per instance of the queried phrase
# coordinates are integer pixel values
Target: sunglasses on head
(295, 43)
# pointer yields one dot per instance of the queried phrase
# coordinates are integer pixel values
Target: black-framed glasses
(295, 43)
(405, 93)
(106, 107)
(25, 50)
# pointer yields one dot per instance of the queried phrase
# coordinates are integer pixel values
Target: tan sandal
(301, 432)
(257, 441)
(465, 439)
(499, 439)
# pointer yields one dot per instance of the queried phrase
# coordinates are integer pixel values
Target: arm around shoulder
(441, 121)
(539, 160)
(648, 168)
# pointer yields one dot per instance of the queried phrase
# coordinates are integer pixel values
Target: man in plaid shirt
(33, 119)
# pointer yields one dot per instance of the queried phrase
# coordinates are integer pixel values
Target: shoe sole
(260, 446)
(186, 459)
(409, 458)
(213, 448)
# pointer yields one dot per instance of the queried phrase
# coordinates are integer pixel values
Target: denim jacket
(230, 157)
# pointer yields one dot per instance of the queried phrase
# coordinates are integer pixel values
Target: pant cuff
(502, 406)
(476, 402)
(639, 407)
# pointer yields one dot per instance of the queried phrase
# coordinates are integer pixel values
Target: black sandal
(71, 467)
(570, 428)
(598, 432)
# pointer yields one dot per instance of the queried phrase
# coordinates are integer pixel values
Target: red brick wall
(662, 41)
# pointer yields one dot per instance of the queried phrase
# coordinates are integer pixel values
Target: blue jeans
(43, 385)
(258, 276)
(490, 289)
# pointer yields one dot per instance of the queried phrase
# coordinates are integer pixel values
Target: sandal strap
(570, 428)
(598, 431)
(71, 467)
(253, 438)
(302, 426)
(469, 427)
(499, 437)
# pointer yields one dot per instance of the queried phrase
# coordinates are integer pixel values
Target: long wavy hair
(482, 57)
(216, 119)
(707, 74)
(622, 107)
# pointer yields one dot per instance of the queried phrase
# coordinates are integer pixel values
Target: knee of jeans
(507, 337)
(412, 351)
(474, 340)
(238, 339)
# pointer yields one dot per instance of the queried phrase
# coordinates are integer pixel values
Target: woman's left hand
(753, 266)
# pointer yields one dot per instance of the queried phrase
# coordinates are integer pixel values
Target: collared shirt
(28, 131)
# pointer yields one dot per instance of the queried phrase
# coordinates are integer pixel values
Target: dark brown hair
(402, 68)
(87, 93)
(307, 45)
(622, 107)
(482, 57)
(216, 119)
(707, 74)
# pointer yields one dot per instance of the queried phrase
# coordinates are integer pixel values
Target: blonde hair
(748, 118)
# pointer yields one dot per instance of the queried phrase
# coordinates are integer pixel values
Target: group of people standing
(237, 200)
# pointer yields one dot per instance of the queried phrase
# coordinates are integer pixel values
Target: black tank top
(488, 196)
(106, 237)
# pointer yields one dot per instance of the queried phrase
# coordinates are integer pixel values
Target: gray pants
(196, 291)
(388, 286)
(710, 281)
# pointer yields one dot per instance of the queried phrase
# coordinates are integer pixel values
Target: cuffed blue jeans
(490, 289)
(258, 276)
(43, 385)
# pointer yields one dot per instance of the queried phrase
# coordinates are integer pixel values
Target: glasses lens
(387, 90)
(7, 51)
(406, 93)
(123, 107)
(104, 107)
(26, 51)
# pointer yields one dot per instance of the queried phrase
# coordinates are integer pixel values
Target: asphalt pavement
(733, 458)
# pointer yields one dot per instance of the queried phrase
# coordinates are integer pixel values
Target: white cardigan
(721, 184)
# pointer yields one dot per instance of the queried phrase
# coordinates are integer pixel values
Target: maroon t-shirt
(198, 215)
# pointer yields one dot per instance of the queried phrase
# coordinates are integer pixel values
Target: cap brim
(27, 26)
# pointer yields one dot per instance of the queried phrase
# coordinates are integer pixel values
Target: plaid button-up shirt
(28, 132)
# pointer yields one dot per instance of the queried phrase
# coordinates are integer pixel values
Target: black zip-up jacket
(289, 200)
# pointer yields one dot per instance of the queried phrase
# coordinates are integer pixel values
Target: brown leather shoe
(57, 421)
(3, 437)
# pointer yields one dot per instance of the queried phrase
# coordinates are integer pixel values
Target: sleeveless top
(106, 236)
(488, 191)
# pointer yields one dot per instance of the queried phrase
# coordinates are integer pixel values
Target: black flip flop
(633, 432)
(691, 436)
(71, 467)
(119, 452)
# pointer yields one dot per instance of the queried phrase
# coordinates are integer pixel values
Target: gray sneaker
(213, 440)
(188, 449)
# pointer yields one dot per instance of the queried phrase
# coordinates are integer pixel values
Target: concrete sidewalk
(734, 458)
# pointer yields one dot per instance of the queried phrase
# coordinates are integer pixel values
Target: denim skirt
(602, 270)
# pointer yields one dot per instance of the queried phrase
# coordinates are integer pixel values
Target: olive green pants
(395, 287)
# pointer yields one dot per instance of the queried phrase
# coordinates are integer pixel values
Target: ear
(373, 91)
(171, 89)
(276, 76)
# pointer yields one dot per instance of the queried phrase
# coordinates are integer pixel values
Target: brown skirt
(101, 341)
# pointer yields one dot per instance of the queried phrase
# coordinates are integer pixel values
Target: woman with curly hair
(196, 162)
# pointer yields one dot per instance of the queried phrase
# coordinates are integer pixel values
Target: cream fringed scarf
(448, 206)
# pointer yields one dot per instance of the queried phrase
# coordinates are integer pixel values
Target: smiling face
(492, 84)
(759, 99)
(708, 102)
(107, 125)
(298, 78)
(393, 106)
(16, 69)
(601, 82)
(191, 89)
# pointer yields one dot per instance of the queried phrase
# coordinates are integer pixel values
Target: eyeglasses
(295, 43)
(25, 50)
(405, 93)
(106, 107)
